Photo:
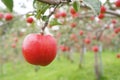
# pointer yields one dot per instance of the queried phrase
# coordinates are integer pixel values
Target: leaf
(45, 18)
(94, 5)
(41, 9)
(76, 5)
(54, 22)
(8, 4)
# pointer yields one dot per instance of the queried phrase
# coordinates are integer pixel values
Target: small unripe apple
(95, 48)
(39, 49)
(8, 16)
(117, 3)
(29, 20)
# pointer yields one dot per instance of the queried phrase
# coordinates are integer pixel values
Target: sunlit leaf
(94, 5)
(8, 4)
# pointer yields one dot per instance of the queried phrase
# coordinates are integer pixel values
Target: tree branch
(46, 23)
(113, 13)
(54, 2)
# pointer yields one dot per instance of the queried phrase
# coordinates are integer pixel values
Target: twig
(46, 23)
(113, 13)
(54, 2)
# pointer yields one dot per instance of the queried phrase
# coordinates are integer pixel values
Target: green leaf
(45, 18)
(41, 8)
(54, 22)
(94, 5)
(76, 5)
(8, 4)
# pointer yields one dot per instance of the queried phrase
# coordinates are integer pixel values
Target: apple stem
(47, 21)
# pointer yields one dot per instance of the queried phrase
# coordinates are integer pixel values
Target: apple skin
(39, 49)
(8, 16)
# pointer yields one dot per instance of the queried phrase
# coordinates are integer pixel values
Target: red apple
(81, 32)
(75, 15)
(63, 14)
(95, 48)
(117, 3)
(92, 18)
(117, 30)
(94, 37)
(101, 16)
(102, 9)
(118, 56)
(57, 15)
(63, 48)
(8, 16)
(13, 45)
(15, 39)
(73, 25)
(1, 15)
(39, 49)
(29, 20)
(114, 21)
(87, 41)
(72, 11)
(73, 36)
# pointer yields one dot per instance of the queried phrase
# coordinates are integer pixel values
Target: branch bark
(113, 13)
(46, 23)
(54, 2)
